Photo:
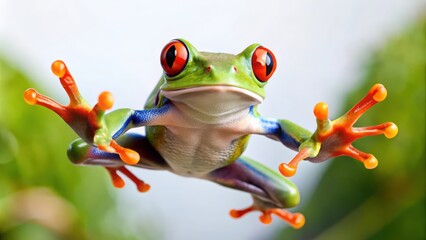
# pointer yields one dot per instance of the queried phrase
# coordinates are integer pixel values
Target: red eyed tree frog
(198, 120)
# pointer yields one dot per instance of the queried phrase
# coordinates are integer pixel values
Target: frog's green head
(215, 83)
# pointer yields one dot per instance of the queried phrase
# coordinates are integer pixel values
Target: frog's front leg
(271, 192)
(91, 124)
(332, 138)
(98, 131)
(87, 122)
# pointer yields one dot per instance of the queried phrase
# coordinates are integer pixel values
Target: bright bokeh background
(115, 45)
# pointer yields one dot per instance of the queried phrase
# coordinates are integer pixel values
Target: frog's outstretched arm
(332, 138)
(93, 126)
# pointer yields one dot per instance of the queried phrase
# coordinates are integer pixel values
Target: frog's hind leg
(82, 153)
(271, 192)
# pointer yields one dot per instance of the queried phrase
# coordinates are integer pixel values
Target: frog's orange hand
(296, 220)
(334, 138)
(87, 122)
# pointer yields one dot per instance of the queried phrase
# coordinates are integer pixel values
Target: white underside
(206, 121)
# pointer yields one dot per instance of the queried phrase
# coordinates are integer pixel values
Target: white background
(320, 47)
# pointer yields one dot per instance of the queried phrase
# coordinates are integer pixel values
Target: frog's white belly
(205, 128)
(193, 148)
(198, 153)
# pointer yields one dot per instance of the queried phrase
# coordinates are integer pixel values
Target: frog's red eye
(174, 58)
(263, 63)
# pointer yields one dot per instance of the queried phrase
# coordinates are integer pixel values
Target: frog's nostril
(208, 69)
(235, 69)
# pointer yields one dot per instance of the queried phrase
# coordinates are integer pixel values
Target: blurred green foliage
(388, 202)
(42, 195)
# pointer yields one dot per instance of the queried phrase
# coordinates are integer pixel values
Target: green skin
(269, 188)
(198, 125)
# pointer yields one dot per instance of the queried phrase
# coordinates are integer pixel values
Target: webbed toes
(376, 94)
(296, 220)
(335, 138)
(77, 106)
(118, 182)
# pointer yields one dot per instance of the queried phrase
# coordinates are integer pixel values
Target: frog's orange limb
(79, 111)
(77, 105)
(336, 137)
(119, 183)
(376, 94)
(296, 220)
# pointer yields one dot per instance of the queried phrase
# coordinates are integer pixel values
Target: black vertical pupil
(171, 56)
(269, 63)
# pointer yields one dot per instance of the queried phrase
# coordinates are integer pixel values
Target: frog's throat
(214, 101)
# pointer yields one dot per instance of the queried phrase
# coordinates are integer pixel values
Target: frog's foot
(335, 138)
(86, 121)
(77, 109)
(119, 182)
(32, 97)
(296, 220)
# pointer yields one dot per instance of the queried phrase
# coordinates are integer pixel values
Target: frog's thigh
(268, 187)
(80, 152)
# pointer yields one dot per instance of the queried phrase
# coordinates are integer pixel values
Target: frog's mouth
(215, 101)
